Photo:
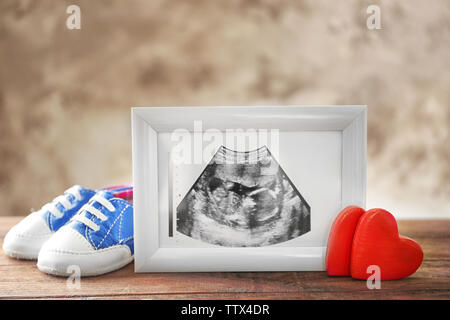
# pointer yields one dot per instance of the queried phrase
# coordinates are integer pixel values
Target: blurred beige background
(65, 95)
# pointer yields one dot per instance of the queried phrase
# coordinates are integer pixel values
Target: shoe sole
(93, 273)
(20, 255)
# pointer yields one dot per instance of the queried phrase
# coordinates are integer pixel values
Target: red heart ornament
(339, 248)
(377, 242)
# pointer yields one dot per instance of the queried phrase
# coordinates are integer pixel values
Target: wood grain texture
(22, 280)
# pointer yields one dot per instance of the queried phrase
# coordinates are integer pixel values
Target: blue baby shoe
(25, 239)
(97, 240)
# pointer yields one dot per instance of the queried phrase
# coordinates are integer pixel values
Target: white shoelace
(94, 211)
(63, 200)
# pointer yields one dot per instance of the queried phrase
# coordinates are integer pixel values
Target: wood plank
(27, 281)
(366, 295)
(429, 229)
(21, 279)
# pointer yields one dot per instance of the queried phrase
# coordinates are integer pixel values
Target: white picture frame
(347, 123)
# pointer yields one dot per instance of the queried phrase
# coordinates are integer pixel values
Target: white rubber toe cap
(68, 250)
(25, 239)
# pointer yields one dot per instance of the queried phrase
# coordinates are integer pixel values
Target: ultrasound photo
(243, 199)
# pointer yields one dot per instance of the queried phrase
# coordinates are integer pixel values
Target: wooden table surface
(21, 279)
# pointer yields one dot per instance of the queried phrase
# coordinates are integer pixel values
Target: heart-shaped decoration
(377, 242)
(339, 247)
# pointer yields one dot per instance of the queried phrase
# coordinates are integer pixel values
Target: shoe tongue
(70, 195)
(126, 195)
(106, 194)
